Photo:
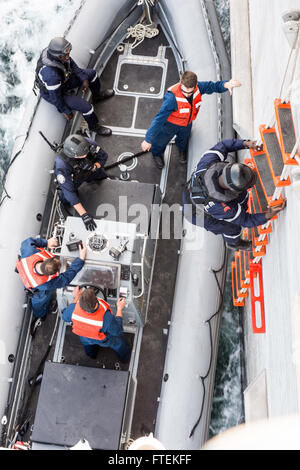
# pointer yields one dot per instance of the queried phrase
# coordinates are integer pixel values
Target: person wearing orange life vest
(39, 270)
(180, 108)
(95, 323)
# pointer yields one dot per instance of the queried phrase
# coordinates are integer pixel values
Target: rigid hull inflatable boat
(173, 285)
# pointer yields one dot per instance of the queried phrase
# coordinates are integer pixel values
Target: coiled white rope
(141, 31)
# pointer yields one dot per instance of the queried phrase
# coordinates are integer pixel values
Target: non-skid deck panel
(79, 402)
(116, 111)
(154, 341)
(107, 76)
(146, 110)
(287, 129)
(274, 152)
(265, 173)
(145, 169)
(108, 194)
(140, 78)
(73, 353)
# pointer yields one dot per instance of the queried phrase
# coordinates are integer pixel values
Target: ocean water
(228, 406)
(26, 27)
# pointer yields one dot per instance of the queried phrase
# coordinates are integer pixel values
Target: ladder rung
(273, 154)
(286, 130)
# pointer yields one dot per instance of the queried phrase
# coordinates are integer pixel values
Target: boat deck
(129, 113)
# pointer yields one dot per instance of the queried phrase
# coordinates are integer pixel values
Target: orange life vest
(25, 268)
(185, 113)
(89, 324)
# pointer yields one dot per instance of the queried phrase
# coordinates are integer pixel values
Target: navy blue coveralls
(161, 131)
(65, 175)
(227, 218)
(112, 328)
(43, 293)
(58, 91)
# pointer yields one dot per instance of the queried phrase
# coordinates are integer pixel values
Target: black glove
(88, 221)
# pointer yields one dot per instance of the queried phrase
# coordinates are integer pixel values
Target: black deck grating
(255, 206)
(265, 173)
(261, 195)
(274, 152)
(287, 129)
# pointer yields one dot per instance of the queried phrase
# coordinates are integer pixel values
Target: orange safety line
(257, 299)
(278, 104)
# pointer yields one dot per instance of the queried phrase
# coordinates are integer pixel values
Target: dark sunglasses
(187, 92)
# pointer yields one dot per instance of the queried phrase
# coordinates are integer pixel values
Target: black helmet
(59, 47)
(238, 177)
(76, 146)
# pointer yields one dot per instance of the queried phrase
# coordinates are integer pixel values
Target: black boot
(159, 161)
(101, 130)
(103, 95)
(244, 245)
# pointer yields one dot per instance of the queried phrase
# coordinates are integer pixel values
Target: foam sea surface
(26, 27)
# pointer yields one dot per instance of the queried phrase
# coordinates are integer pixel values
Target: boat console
(109, 263)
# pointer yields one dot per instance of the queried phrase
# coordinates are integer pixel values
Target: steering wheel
(96, 288)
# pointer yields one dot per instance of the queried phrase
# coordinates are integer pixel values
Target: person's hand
(85, 85)
(52, 243)
(252, 144)
(68, 116)
(121, 302)
(82, 251)
(89, 222)
(145, 146)
(77, 293)
(232, 84)
(272, 211)
(97, 166)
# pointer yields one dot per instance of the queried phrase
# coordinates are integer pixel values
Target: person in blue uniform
(216, 196)
(80, 160)
(44, 280)
(57, 74)
(96, 325)
(179, 109)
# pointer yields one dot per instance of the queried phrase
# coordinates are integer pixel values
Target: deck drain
(131, 164)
